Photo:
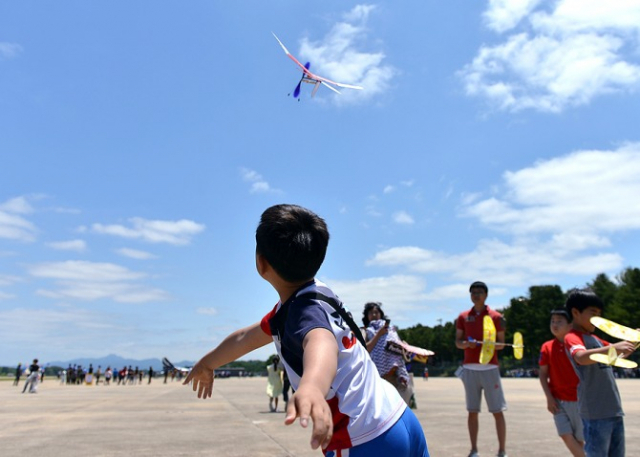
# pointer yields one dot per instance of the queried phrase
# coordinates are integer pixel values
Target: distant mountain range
(115, 361)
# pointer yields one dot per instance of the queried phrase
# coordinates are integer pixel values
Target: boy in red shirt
(560, 384)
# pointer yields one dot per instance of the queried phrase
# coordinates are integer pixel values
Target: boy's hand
(625, 347)
(202, 379)
(309, 403)
(552, 405)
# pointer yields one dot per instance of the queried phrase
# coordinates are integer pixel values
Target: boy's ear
(261, 265)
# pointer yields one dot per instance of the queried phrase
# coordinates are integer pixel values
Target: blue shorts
(404, 439)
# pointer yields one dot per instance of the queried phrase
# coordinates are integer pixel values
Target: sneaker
(474, 454)
(502, 454)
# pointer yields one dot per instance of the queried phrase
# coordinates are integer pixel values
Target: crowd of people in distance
(77, 375)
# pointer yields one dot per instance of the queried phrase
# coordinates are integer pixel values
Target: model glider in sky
(310, 78)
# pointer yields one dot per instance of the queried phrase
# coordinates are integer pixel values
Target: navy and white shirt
(363, 405)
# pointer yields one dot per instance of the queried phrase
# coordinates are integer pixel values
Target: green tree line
(530, 315)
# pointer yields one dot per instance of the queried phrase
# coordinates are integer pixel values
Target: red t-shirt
(574, 341)
(563, 380)
(471, 323)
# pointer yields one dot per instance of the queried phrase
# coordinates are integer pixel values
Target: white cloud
(500, 263)
(448, 292)
(388, 189)
(13, 224)
(80, 270)
(7, 280)
(6, 296)
(178, 232)
(118, 292)
(562, 57)
(19, 205)
(258, 184)
(135, 254)
(71, 245)
(618, 16)
(586, 193)
(88, 281)
(338, 56)
(399, 293)
(373, 211)
(9, 50)
(403, 218)
(63, 210)
(207, 311)
(503, 15)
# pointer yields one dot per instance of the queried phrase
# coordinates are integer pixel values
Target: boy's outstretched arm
(234, 346)
(320, 363)
(622, 347)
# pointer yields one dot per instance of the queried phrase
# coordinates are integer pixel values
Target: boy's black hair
(293, 240)
(481, 285)
(368, 307)
(563, 313)
(581, 299)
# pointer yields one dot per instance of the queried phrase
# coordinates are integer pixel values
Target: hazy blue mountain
(115, 361)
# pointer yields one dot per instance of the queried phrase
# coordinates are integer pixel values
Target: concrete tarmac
(169, 420)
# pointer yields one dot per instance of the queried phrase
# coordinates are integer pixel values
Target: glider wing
(286, 51)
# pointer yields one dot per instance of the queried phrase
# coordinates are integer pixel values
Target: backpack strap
(335, 304)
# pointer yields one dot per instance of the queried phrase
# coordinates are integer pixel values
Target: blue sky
(140, 142)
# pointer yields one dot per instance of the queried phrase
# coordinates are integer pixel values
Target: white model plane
(310, 78)
(168, 367)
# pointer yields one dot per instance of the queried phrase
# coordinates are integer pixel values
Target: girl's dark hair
(368, 307)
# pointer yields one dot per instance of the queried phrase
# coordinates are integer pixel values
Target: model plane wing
(346, 86)
(616, 330)
(329, 86)
(617, 362)
(286, 51)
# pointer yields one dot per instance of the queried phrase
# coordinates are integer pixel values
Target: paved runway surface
(169, 420)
